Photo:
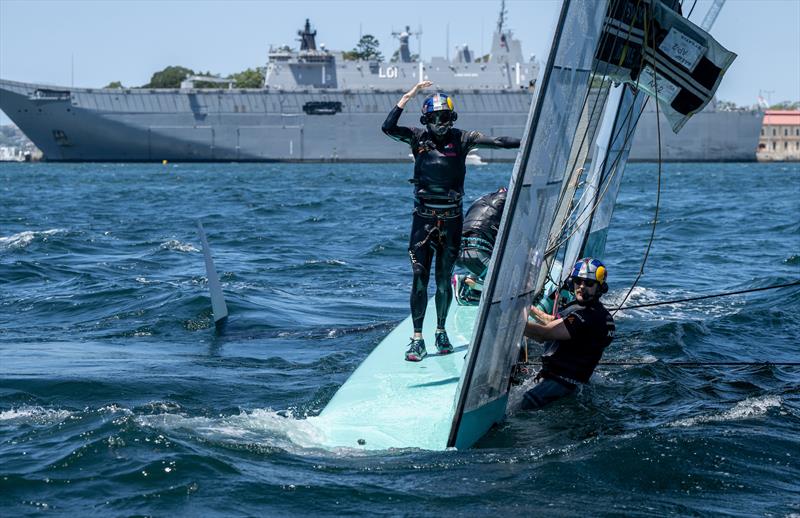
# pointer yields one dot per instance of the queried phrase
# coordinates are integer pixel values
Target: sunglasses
(439, 118)
(589, 283)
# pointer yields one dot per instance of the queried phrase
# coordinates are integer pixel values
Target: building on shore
(780, 136)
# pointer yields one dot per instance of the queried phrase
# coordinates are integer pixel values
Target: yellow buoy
(164, 162)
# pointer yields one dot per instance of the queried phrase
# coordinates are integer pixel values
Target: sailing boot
(443, 344)
(416, 350)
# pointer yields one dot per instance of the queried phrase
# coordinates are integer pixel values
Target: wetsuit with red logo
(439, 171)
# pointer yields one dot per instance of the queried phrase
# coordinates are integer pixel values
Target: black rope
(693, 364)
(705, 364)
(658, 188)
(715, 295)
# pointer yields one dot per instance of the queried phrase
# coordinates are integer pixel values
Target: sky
(90, 43)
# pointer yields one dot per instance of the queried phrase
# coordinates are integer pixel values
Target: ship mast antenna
(307, 37)
(404, 52)
(501, 18)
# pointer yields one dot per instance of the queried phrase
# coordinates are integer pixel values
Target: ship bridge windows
(322, 107)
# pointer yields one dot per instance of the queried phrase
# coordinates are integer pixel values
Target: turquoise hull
(391, 403)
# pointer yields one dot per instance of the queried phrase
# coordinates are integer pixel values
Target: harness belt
(443, 211)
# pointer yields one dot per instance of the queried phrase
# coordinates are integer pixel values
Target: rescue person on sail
(576, 337)
(477, 242)
(439, 151)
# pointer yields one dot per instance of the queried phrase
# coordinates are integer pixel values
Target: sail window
(322, 107)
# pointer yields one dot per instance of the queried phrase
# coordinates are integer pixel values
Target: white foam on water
(335, 262)
(23, 239)
(34, 415)
(670, 312)
(174, 244)
(748, 409)
(260, 428)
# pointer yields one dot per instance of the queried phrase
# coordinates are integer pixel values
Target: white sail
(539, 175)
(588, 235)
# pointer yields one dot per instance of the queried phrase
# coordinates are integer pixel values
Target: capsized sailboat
(453, 400)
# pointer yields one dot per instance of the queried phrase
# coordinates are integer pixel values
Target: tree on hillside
(170, 77)
(250, 78)
(366, 50)
(786, 105)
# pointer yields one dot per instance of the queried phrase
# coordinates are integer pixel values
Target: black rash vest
(591, 329)
(439, 168)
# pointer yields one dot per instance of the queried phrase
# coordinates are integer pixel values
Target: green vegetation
(114, 84)
(366, 50)
(250, 78)
(786, 105)
(170, 77)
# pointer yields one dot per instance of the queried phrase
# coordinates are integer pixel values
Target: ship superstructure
(316, 105)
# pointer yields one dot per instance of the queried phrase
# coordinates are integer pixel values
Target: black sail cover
(652, 47)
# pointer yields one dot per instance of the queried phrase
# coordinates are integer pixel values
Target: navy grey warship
(317, 106)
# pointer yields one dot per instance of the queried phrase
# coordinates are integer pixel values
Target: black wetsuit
(480, 231)
(439, 172)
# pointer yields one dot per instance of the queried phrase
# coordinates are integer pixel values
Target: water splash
(748, 409)
(23, 239)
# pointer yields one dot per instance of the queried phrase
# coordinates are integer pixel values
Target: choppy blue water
(117, 398)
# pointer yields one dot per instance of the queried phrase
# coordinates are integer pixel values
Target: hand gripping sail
(539, 176)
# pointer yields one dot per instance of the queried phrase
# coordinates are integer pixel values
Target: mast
(538, 178)
(307, 37)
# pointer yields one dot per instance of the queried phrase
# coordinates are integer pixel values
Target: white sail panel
(538, 177)
(597, 202)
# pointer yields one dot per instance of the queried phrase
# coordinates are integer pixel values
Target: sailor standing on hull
(439, 153)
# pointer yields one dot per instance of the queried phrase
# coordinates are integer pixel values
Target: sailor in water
(439, 154)
(575, 338)
(477, 241)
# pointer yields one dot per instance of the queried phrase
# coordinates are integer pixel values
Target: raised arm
(390, 127)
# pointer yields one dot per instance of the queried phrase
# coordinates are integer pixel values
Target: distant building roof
(782, 117)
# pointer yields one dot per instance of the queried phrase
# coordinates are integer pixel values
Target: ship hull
(84, 125)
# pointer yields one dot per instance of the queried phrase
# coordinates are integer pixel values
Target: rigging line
(658, 188)
(702, 297)
(690, 10)
(576, 224)
(691, 364)
(572, 167)
(573, 175)
(576, 219)
(703, 364)
(572, 217)
(604, 39)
